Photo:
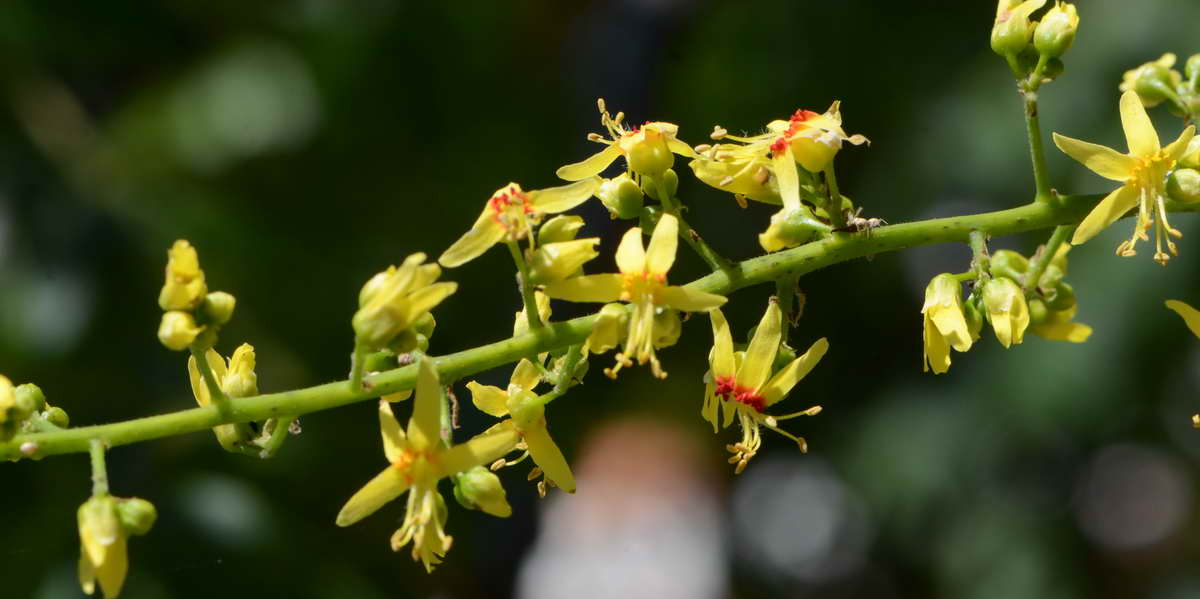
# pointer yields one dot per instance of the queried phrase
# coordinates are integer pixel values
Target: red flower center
(728, 390)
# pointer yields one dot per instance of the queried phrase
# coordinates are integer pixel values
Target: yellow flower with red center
(648, 150)
(643, 283)
(511, 214)
(419, 460)
(1142, 172)
(747, 388)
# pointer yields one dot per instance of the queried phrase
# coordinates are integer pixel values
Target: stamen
(718, 132)
(534, 473)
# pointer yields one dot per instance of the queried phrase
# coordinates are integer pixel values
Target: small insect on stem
(858, 224)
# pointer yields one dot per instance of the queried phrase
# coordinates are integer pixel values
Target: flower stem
(785, 289)
(981, 262)
(99, 468)
(1039, 263)
(358, 362)
(687, 233)
(1037, 153)
(834, 208)
(526, 289)
(279, 434)
(763, 269)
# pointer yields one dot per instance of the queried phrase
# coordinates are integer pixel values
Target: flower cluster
(191, 314)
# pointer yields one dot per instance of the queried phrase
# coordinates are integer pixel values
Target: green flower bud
(218, 307)
(1061, 298)
(1012, 29)
(560, 228)
(668, 178)
(29, 398)
(973, 314)
(480, 489)
(1037, 311)
(1154, 81)
(791, 228)
(178, 330)
(525, 408)
(667, 328)
(1007, 263)
(649, 217)
(137, 515)
(621, 196)
(1053, 69)
(1050, 277)
(1056, 31)
(58, 417)
(557, 261)
(1184, 185)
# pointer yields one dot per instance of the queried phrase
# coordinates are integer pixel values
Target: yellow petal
(393, 436)
(525, 375)
(386, 486)
(680, 148)
(111, 574)
(722, 351)
(565, 197)
(87, 574)
(490, 400)
(426, 299)
(588, 288)
(1063, 331)
(1190, 315)
(549, 457)
(591, 166)
(482, 236)
(1002, 325)
(783, 381)
(789, 178)
(936, 351)
(760, 354)
(688, 300)
(951, 323)
(1111, 208)
(481, 449)
(1103, 161)
(1139, 131)
(424, 428)
(660, 254)
(199, 389)
(631, 256)
(1180, 146)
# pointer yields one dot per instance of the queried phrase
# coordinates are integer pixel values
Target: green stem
(834, 209)
(526, 289)
(99, 468)
(566, 374)
(981, 262)
(764, 269)
(1037, 152)
(210, 380)
(1039, 263)
(279, 434)
(686, 232)
(785, 290)
(963, 277)
(358, 362)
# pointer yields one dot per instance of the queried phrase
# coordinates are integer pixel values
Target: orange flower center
(511, 210)
(637, 287)
(795, 125)
(729, 390)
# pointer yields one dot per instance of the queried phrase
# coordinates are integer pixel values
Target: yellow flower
(648, 150)
(419, 459)
(511, 213)
(945, 324)
(747, 388)
(743, 170)
(527, 414)
(236, 378)
(1006, 310)
(184, 288)
(1154, 81)
(1012, 29)
(643, 283)
(393, 300)
(561, 259)
(1142, 173)
(177, 330)
(104, 555)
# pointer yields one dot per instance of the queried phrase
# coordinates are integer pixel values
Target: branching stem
(526, 288)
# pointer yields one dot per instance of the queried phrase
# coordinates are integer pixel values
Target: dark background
(302, 146)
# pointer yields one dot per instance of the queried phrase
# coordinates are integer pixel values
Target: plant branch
(526, 289)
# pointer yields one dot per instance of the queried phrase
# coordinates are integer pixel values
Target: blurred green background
(304, 145)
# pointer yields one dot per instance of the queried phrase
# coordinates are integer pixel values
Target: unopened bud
(1012, 29)
(184, 288)
(1007, 263)
(560, 228)
(480, 489)
(791, 228)
(557, 261)
(178, 330)
(241, 381)
(621, 196)
(137, 515)
(1006, 310)
(1191, 70)
(29, 398)
(58, 417)
(1056, 31)
(218, 307)
(669, 178)
(1184, 185)
(1154, 81)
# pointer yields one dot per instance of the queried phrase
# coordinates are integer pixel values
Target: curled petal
(525, 376)
(722, 352)
(591, 166)
(1190, 315)
(490, 400)
(789, 179)
(481, 449)
(482, 236)
(937, 351)
(783, 381)
(393, 436)
(760, 354)
(549, 457)
(631, 255)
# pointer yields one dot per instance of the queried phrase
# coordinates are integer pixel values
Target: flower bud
(480, 489)
(557, 261)
(973, 314)
(184, 288)
(218, 307)
(667, 328)
(646, 150)
(58, 417)
(1191, 70)
(394, 300)
(1191, 156)
(791, 228)
(1184, 185)
(1037, 311)
(10, 417)
(137, 515)
(621, 196)
(178, 330)
(240, 380)
(1154, 81)
(560, 228)
(1056, 31)
(612, 325)
(1006, 310)
(1061, 298)
(1012, 29)
(29, 398)
(1007, 263)
(669, 178)
(103, 556)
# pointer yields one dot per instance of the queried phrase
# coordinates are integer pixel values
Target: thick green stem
(99, 468)
(527, 294)
(764, 269)
(1039, 263)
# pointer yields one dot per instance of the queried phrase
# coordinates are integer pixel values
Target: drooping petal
(1063, 331)
(588, 288)
(781, 384)
(481, 449)
(424, 428)
(393, 436)
(482, 236)
(490, 400)
(952, 325)
(549, 457)
(386, 486)
(1176, 149)
(784, 165)
(1190, 315)
(722, 352)
(760, 354)
(688, 300)
(111, 574)
(87, 574)
(591, 166)
(564, 197)
(1102, 160)
(936, 351)
(525, 375)
(1111, 208)
(1139, 131)
(660, 254)
(631, 256)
